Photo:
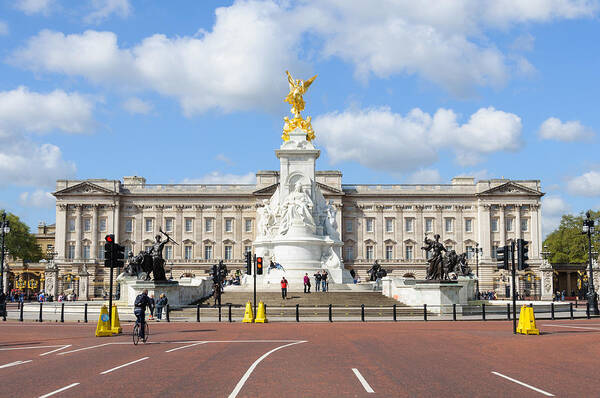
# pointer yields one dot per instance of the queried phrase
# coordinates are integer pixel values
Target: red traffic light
(259, 262)
(110, 238)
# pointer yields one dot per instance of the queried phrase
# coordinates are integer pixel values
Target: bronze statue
(376, 272)
(435, 270)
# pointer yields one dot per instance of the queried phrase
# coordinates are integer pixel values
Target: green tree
(568, 244)
(19, 242)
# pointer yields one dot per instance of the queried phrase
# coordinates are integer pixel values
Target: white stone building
(383, 222)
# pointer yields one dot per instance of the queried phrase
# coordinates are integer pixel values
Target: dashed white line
(8, 365)
(573, 327)
(246, 375)
(122, 366)
(84, 348)
(362, 380)
(59, 390)
(186, 346)
(58, 349)
(29, 348)
(546, 393)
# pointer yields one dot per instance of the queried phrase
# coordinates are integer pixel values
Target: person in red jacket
(284, 286)
(306, 283)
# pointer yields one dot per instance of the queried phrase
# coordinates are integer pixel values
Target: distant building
(383, 222)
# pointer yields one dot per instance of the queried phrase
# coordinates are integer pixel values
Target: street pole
(592, 299)
(2, 259)
(254, 272)
(110, 294)
(514, 287)
(477, 268)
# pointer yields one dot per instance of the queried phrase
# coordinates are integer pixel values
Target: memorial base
(183, 292)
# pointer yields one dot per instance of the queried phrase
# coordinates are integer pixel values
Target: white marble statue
(331, 225)
(266, 219)
(297, 207)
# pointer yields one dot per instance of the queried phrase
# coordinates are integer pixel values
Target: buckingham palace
(387, 223)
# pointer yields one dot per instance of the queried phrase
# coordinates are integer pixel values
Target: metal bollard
(424, 312)
(483, 311)
(552, 310)
(168, 310)
(62, 313)
(508, 311)
(571, 309)
(85, 309)
(229, 305)
(21, 313)
(394, 311)
(297, 312)
(198, 313)
(453, 312)
(330, 313)
(219, 312)
(40, 318)
(362, 312)
(587, 310)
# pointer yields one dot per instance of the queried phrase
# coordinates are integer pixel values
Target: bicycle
(136, 332)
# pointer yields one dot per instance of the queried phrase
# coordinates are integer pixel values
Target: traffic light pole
(514, 288)
(110, 296)
(254, 272)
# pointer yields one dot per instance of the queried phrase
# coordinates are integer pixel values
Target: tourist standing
(161, 303)
(306, 283)
(152, 307)
(324, 286)
(284, 286)
(317, 281)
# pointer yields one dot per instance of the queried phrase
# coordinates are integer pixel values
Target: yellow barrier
(103, 328)
(527, 321)
(115, 323)
(261, 316)
(248, 315)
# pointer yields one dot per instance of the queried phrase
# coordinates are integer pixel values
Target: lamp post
(478, 250)
(588, 228)
(4, 226)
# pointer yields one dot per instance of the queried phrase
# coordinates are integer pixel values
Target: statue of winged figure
(297, 89)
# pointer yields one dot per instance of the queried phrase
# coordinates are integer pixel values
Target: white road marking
(186, 346)
(58, 349)
(59, 390)
(573, 327)
(122, 366)
(362, 380)
(246, 375)
(29, 348)
(524, 384)
(8, 365)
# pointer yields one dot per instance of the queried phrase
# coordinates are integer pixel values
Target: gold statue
(297, 90)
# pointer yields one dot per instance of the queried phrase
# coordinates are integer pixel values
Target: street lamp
(478, 250)
(4, 226)
(588, 228)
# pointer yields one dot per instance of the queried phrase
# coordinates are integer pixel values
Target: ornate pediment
(327, 190)
(267, 190)
(85, 188)
(511, 188)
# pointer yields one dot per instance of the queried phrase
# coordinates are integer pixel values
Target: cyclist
(141, 302)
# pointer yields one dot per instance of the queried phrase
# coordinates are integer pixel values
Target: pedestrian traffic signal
(108, 250)
(502, 257)
(248, 263)
(119, 255)
(259, 266)
(522, 254)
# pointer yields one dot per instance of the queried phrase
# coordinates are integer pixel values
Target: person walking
(284, 286)
(324, 286)
(161, 303)
(306, 283)
(317, 281)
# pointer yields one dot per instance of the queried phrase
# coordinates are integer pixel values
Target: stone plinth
(183, 292)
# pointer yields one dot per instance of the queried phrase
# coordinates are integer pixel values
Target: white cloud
(587, 184)
(524, 42)
(554, 129)
(424, 176)
(102, 9)
(221, 157)
(137, 106)
(3, 28)
(553, 207)
(31, 7)
(23, 110)
(37, 198)
(389, 141)
(238, 64)
(216, 177)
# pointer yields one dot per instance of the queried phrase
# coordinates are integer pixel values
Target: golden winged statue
(297, 90)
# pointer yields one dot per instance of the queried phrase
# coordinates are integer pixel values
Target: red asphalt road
(404, 359)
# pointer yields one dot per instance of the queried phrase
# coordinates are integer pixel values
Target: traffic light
(119, 255)
(502, 257)
(108, 250)
(522, 255)
(259, 266)
(248, 263)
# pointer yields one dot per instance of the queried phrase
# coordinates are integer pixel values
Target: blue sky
(191, 91)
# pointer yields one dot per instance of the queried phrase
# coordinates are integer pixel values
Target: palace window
(148, 225)
(229, 225)
(86, 252)
(408, 222)
(429, 225)
(247, 249)
(468, 225)
(128, 225)
(168, 252)
(71, 250)
(408, 207)
(101, 251)
(469, 252)
(102, 224)
(208, 225)
(349, 253)
(248, 225)
(128, 248)
(494, 224)
(448, 207)
(187, 252)
(409, 252)
(448, 224)
(509, 224)
(349, 226)
(428, 207)
(494, 251)
(87, 224)
(369, 225)
(207, 252)
(189, 224)
(71, 225)
(369, 251)
(389, 252)
(524, 224)
(228, 252)
(168, 224)
(389, 225)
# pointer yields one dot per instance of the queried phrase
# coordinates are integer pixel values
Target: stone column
(78, 232)
(94, 234)
(518, 221)
(484, 230)
(238, 247)
(502, 225)
(360, 244)
(418, 228)
(459, 229)
(218, 250)
(139, 229)
(439, 221)
(159, 218)
(116, 221)
(399, 232)
(60, 238)
(198, 229)
(536, 235)
(51, 277)
(84, 284)
(5, 278)
(178, 249)
(379, 232)
(547, 279)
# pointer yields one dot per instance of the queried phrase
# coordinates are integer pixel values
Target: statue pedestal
(180, 293)
(51, 280)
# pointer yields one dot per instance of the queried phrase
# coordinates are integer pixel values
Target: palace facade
(378, 222)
